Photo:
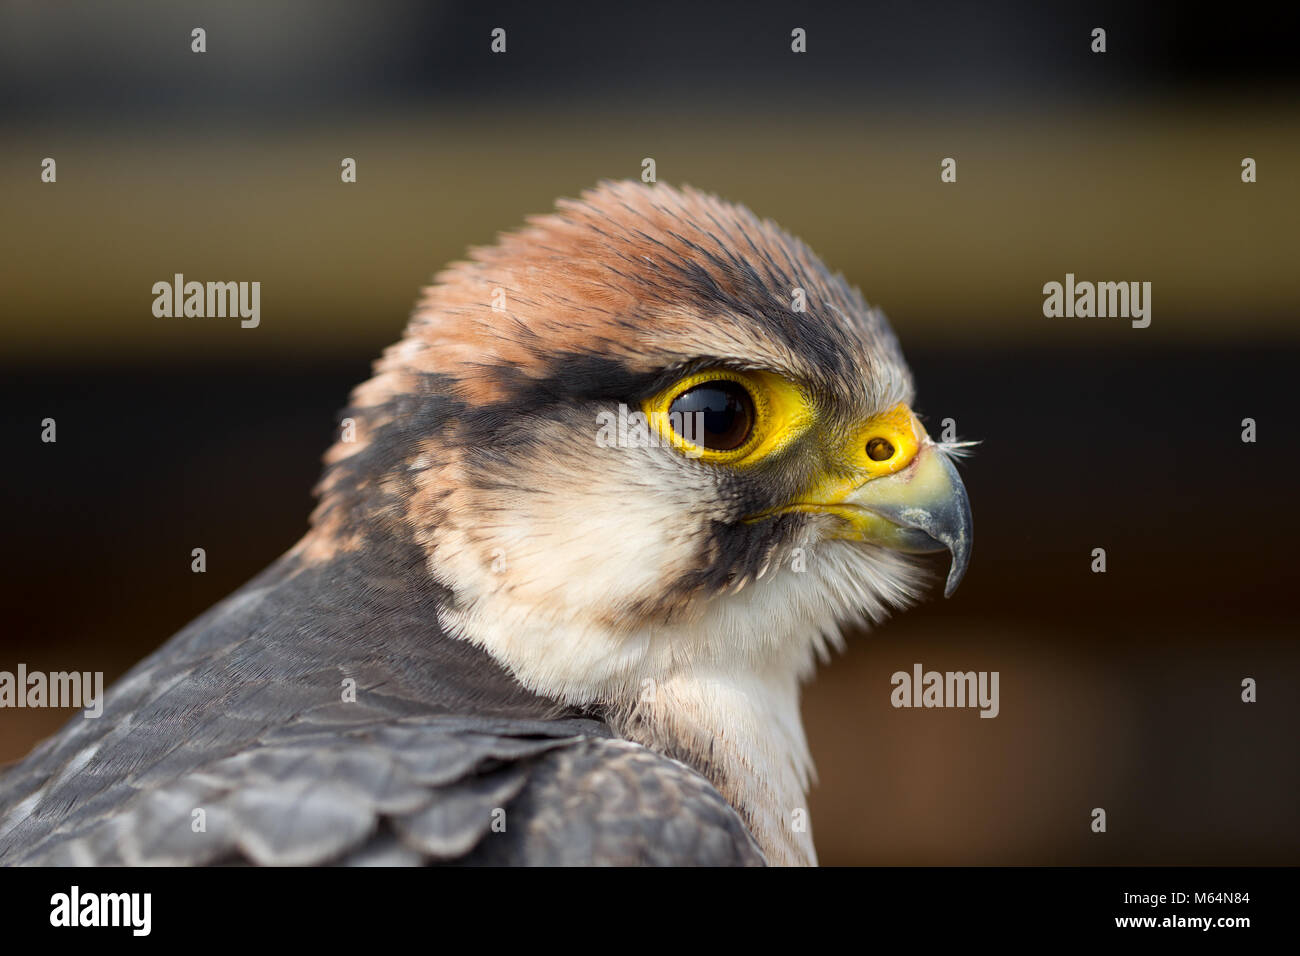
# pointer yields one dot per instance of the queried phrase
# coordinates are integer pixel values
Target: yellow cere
(900, 428)
(854, 466)
(782, 413)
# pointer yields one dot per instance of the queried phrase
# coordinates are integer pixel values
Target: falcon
(509, 639)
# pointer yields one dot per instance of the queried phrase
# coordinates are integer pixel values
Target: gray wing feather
(418, 791)
(610, 801)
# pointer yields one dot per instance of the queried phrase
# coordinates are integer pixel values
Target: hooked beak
(920, 508)
(893, 487)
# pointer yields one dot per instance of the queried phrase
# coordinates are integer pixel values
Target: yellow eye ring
(780, 413)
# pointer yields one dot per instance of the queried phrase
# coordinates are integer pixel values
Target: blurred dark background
(1118, 690)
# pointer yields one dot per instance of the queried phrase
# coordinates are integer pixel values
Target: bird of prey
(627, 475)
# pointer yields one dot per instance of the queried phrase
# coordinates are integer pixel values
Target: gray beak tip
(956, 572)
(956, 531)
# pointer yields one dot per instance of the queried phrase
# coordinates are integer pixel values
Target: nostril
(878, 449)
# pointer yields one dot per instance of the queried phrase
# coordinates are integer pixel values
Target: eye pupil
(878, 449)
(717, 415)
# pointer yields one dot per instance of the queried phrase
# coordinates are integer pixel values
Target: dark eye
(716, 415)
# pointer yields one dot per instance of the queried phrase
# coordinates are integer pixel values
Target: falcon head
(658, 456)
